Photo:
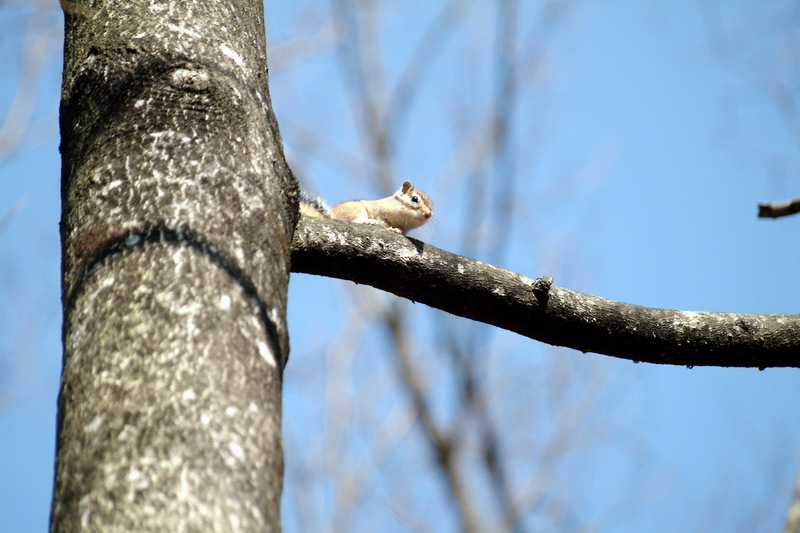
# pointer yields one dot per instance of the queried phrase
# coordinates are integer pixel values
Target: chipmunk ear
(406, 187)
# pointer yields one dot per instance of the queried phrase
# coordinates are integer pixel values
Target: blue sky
(674, 139)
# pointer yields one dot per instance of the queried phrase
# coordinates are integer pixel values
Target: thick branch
(779, 209)
(533, 308)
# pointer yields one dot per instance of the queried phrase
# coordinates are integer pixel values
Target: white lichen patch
(192, 308)
(184, 491)
(94, 424)
(274, 317)
(692, 319)
(229, 52)
(86, 513)
(183, 30)
(266, 353)
(407, 252)
(236, 449)
(158, 135)
(334, 236)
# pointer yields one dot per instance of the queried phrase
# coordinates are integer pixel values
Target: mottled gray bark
(532, 307)
(176, 229)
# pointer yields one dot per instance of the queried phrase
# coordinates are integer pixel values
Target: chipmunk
(406, 209)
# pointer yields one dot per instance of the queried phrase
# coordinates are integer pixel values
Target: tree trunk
(178, 214)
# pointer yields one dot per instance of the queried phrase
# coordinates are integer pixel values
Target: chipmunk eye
(415, 198)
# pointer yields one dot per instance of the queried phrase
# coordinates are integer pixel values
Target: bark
(536, 309)
(779, 209)
(174, 286)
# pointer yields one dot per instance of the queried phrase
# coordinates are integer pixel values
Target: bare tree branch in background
(30, 41)
(380, 112)
(468, 443)
(40, 44)
(770, 63)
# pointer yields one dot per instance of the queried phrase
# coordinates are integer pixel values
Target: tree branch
(441, 441)
(779, 209)
(533, 308)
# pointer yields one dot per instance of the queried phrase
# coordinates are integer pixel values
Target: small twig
(779, 209)
(439, 440)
